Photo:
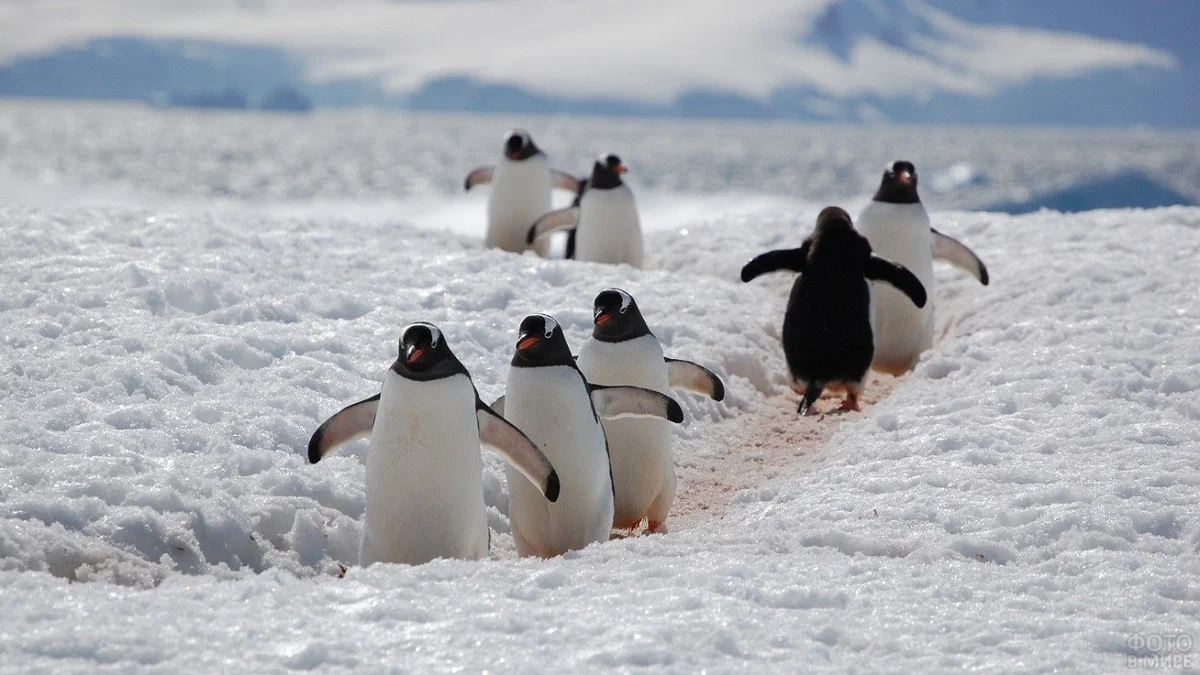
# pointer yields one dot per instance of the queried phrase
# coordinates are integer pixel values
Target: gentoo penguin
(827, 327)
(604, 217)
(622, 350)
(551, 401)
(521, 182)
(424, 470)
(896, 224)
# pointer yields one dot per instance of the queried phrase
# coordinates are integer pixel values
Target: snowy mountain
(1074, 62)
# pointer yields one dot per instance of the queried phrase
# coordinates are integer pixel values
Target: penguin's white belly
(900, 233)
(642, 466)
(552, 406)
(424, 474)
(609, 230)
(520, 195)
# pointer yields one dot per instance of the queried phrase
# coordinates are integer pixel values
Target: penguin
(548, 397)
(604, 218)
(424, 470)
(622, 350)
(827, 336)
(521, 183)
(897, 226)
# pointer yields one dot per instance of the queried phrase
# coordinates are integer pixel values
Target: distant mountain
(1068, 62)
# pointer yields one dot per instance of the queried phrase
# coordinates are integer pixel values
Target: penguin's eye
(549, 333)
(624, 308)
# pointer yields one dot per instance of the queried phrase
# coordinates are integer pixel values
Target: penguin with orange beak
(603, 220)
(549, 399)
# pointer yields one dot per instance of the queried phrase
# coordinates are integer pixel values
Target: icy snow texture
(1024, 501)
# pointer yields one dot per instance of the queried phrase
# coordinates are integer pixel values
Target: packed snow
(1024, 501)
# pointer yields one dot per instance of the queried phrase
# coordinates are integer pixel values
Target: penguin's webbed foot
(655, 527)
(850, 403)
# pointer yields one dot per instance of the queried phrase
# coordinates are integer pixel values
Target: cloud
(650, 52)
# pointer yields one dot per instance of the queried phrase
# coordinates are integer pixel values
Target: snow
(652, 53)
(1024, 501)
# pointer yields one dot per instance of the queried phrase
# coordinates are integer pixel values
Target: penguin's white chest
(900, 233)
(424, 474)
(609, 230)
(520, 195)
(552, 406)
(643, 468)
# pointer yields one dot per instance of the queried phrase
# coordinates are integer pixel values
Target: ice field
(184, 298)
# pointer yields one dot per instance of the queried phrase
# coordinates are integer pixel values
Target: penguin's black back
(827, 329)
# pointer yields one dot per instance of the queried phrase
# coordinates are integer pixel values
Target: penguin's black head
(606, 172)
(518, 145)
(617, 317)
(541, 343)
(899, 184)
(835, 244)
(424, 354)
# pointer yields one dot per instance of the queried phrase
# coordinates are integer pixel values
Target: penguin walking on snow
(604, 218)
(827, 336)
(424, 469)
(622, 350)
(521, 183)
(897, 226)
(549, 398)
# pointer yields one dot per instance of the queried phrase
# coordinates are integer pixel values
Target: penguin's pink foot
(850, 404)
(655, 527)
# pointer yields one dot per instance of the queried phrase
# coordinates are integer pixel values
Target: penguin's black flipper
(553, 221)
(792, 259)
(617, 402)
(515, 447)
(812, 392)
(480, 176)
(564, 181)
(958, 254)
(695, 378)
(881, 269)
(348, 424)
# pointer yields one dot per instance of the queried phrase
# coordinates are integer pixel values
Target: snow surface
(651, 52)
(183, 298)
(1026, 500)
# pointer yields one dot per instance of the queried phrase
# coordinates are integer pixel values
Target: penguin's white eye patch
(626, 301)
(549, 324)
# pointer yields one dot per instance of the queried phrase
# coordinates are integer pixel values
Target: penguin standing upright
(424, 470)
(622, 350)
(827, 335)
(897, 226)
(550, 400)
(521, 183)
(604, 218)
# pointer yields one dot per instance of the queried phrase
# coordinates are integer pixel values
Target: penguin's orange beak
(527, 342)
(603, 318)
(415, 355)
(621, 168)
(904, 177)
(514, 155)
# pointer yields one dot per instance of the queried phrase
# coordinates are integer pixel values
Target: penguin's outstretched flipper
(480, 176)
(958, 254)
(348, 424)
(554, 221)
(882, 269)
(516, 449)
(695, 378)
(564, 181)
(791, 259)
(618, 402)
